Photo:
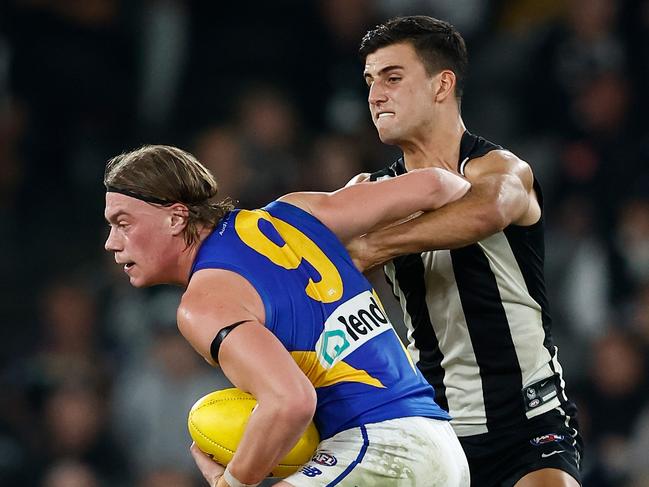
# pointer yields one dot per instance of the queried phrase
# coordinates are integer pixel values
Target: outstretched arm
(256, 362)
(501, 194)
(357, 209)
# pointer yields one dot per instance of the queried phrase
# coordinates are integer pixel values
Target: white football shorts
(403, 452)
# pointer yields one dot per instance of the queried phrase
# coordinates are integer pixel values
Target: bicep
(251, 357)
(216, 298)
(502, 186)
(257, 362)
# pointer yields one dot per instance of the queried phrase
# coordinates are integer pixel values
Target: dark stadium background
(95, 382)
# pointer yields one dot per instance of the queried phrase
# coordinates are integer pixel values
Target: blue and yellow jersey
(325, 313)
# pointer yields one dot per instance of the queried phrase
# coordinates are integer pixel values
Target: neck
(186, 259)
(439, 147)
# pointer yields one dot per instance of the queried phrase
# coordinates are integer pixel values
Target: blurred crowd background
(95, 381)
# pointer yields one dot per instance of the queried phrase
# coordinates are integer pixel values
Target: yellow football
(217, 421)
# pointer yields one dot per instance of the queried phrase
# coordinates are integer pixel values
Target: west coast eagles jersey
(325, 313)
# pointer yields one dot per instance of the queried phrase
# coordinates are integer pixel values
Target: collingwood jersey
(478, 321)
(325, 313)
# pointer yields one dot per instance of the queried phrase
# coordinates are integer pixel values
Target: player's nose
(376, 94)
(111, 243)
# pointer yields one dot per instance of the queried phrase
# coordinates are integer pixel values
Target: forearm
(455, 225)
(358, 209)
(270, 434)
(501, 193)
(415, 236)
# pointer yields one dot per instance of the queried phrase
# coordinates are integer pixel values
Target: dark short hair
(165, 175)
(437, 43)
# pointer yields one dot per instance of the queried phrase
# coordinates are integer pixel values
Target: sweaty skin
(148, 241)
(419, 112)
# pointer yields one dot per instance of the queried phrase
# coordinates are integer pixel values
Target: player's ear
(444, 85)
(179, 218)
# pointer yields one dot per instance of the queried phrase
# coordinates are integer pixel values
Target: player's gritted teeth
(126, 265)
(381, 115)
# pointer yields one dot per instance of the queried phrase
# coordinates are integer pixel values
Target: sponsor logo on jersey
(311, 471)
(549, 438)
(546, 455)
(324, 458)
(352, 324)
(224, 225)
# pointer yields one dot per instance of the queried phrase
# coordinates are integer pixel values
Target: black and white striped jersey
(478, 320)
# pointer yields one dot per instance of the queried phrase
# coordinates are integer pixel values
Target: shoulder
(303, 200)
(499, 162)
(217, 298)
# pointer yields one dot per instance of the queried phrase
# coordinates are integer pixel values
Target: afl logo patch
(325, 459)
(533, 403)
(549, 438)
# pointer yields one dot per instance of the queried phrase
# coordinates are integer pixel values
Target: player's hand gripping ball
(217, 421)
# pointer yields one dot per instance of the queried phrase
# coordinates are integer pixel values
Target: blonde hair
(165, 175)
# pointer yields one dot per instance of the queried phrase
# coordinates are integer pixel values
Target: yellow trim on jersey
(341, 372)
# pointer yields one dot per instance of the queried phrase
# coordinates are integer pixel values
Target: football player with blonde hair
(272, 297)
